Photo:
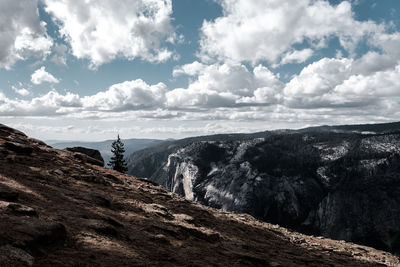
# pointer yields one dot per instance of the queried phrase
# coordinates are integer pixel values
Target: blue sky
(170, 69)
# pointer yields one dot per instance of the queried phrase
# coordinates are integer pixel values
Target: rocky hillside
(58, 209)
(331, 182)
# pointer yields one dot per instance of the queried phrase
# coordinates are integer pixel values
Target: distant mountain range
(341, 182)
(131, 145)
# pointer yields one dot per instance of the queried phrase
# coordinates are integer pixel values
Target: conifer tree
(117, 162)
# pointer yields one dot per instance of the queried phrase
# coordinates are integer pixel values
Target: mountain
(57, 209)
(356, 128)
(340, 182)
(131, 145)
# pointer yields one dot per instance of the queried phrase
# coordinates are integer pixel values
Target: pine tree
(117, 161)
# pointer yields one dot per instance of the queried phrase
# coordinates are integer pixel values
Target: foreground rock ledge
(57, 209)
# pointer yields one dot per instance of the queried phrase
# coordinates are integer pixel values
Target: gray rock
(92, 153)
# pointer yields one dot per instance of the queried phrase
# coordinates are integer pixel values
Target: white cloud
(336, 83)
(189, 69)
(22, 34)
(21, 91)
(104, 30)
(224, 85)
(379, 84)
(49, 104)
(330, 90)
(372, 62)
(60, 55)
(388, 42)
(297, 56)
(254, 31)
(129, 95)
(41, 76)
(319, 78)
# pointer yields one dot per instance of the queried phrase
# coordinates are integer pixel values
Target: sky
(89, 70)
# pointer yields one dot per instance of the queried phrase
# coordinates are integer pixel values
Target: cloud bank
(326, 88)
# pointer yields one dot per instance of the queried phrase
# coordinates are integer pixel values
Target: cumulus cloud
(189, 69)
(104, 30)
(331, 90)
(379, 84)
(22, 34)
(317, 79)
(49, 104)
(129, 95)
(297, 56)
(41, 76)
(224, 85)
(21, 91)
(337, 83)
(254, 31)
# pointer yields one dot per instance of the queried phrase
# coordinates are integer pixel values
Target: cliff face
(339, 185)
(59, 209)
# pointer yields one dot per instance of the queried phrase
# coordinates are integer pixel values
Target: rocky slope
(340, 184)
(58, 209)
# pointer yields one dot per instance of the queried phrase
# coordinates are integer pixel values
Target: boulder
(92, 153)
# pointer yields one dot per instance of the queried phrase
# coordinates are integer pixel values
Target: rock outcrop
(95, 156)
(60, 210)
(339, 185)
